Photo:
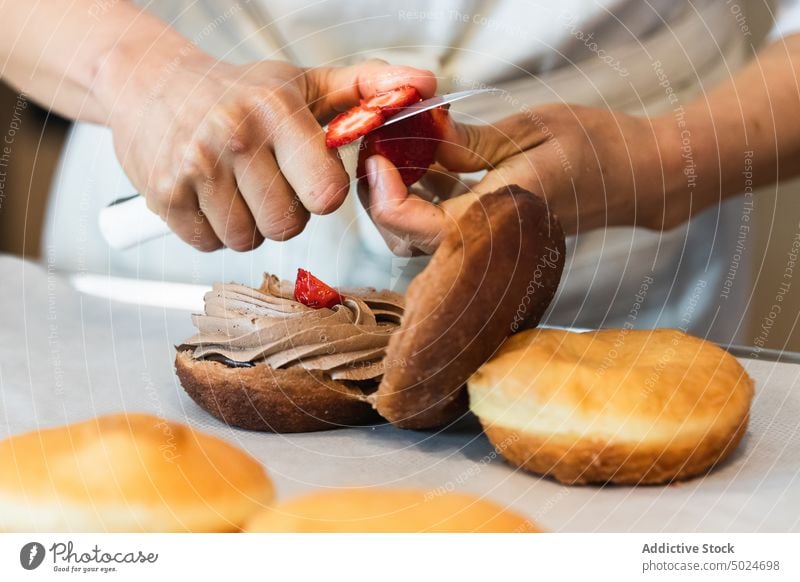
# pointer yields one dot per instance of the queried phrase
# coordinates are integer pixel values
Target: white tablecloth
(65, 356)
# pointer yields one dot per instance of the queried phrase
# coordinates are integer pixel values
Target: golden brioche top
(388, 511)
(130, 459)
(617, 382)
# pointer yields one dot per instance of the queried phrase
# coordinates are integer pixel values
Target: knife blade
(127, 222)
(433, 103)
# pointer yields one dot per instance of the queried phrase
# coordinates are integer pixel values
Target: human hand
(594, 167)
(230, 155)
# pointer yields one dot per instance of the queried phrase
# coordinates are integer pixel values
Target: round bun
(388, 511)
(495, 272)
(128, 473)
(617, 405)
(266, 399)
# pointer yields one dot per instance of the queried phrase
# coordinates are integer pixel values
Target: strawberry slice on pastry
(312, 292)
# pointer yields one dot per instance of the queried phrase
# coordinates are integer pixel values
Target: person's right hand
(230, 155)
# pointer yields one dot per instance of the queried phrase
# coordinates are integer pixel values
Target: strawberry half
(360, 120)
(390, 102)
(410, 144)
(312, 292)
(351, 125)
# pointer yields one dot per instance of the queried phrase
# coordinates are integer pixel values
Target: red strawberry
(389, 102)
(360, 120)
(312, 292)
(409, 144)
(351, 125)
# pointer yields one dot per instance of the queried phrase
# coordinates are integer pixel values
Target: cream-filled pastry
(263, 359)
(310, 357)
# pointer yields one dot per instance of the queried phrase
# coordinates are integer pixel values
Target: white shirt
(598, 53)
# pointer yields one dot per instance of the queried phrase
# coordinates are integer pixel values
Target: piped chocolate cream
(243, 326)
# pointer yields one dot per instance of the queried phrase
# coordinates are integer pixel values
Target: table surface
(66, 356)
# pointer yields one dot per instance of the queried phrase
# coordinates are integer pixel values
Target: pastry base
(585, 461)
(263, 398)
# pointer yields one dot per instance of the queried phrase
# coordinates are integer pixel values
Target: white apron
(596, 53)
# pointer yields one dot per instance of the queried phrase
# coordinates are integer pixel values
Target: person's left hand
(594, 167)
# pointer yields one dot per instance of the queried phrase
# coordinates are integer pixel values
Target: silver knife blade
(433, 103)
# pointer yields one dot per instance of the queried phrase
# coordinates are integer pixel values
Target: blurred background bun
(127, 472)
(387, 510)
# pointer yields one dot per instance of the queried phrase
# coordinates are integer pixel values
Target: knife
(127, 221)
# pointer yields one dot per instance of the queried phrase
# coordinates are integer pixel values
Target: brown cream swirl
(266, 325)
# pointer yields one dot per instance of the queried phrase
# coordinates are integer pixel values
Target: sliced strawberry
(312, 292)
(360, 120)
(409, 144)
(389, 102)
(351, 125)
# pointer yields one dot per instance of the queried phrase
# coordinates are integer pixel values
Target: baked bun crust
(618, 406)
(388, 511)
(266, 399)
(495, 272)
(127, 473)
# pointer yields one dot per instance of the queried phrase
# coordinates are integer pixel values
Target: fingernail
(371, 167)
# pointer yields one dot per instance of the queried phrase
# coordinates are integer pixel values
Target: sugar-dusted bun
(616, 405)
(495, 272)
(269, 399)
(389, 511)
(129, 473)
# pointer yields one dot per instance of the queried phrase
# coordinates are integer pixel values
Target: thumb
(407, 222)
(470, 148)
(331, 90)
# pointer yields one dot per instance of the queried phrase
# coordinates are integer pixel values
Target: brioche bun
(388, 511)
(619, 406)
(129, 473)
(495, 272)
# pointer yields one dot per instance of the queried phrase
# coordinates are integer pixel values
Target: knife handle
(127, 222)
